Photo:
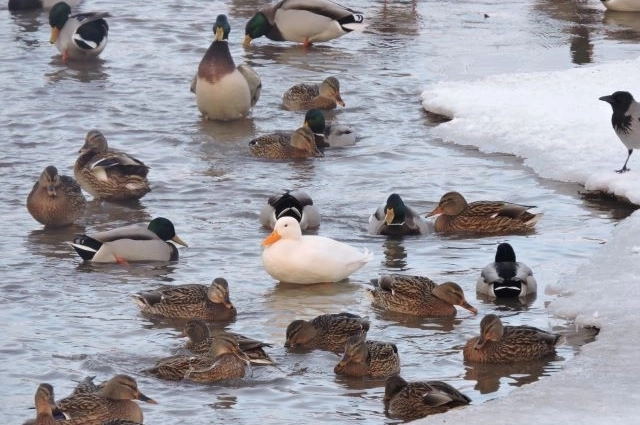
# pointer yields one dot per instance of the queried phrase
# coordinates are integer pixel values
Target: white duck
(223, 91)
(506, 277)
(79, 36)
(289, 256)
(297, 204)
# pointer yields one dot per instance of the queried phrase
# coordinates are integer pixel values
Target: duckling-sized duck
(200, 340)
(325, 96)
(506, 277)
(297, 204)
(409, 401)
(417, 295)
(224, 360)
(79, 36)
(325, 332)
(329, 135)
(131, 243)
(394, 218)
(113, 401)
(191, 301)
(38, 4)
(55, 200)
(489, 217)
(45, 405)
(368, 358)
(301, 144)
(109, 174)
(508, 344)
(302, 21)
(289, 256)
(223, 91)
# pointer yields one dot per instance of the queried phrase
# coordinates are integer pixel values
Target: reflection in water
(28, 23)
(82, 71)
(241, 130)
(488, 376)
(224, 401)
(395, 255)
(508, 304)
(581, 47)
(628, 23)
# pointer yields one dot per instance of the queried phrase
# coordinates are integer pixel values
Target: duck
(190, 301)
(109, 174)
(486, 217)
(223, 91)
(413, 400)
(38, 4)
(302, 21)
(289, 256)
(45, 405)
(85, 386)
(395, 218)
(200, 340)
(80, 36)
(113, 401)
(301, 144)
(56, 200)
(325, 332)
(297, 204)
(506, 277)
(325, 95)
(418, 296)
(224, 361)
(509, 344)
(364, 357)
(130, 243)
(329, 135)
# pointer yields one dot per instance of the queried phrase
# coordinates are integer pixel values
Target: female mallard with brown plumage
(508, 344)
(224, 360)
(45, 404)
(130, 243)
(223, 91)
(200, 340)
(409, 401)
(55, 200)
(109, 174)
(492, 217)
(368, 358)
(325, 332)
(301, 144)
(325, 96)
(417, 295)
(191, 301)
(113, 401)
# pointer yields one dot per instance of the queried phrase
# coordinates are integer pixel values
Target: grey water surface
(62, 319)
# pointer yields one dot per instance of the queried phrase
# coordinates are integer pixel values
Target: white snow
(555, 122)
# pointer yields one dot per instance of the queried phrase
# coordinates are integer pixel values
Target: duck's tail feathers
(353, 22)
(86, 246)
(367, 255)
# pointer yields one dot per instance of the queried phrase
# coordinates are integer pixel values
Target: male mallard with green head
(79, 36)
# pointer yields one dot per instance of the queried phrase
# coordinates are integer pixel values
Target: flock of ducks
(226, 92)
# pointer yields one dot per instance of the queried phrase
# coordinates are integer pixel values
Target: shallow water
(64, 319)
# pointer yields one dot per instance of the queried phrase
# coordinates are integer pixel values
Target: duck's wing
(134, 231)
(253, 80)
(326, 8)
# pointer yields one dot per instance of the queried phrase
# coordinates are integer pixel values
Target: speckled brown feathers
(45, 403)
(55, 200)
(300, 144)
(368, 358)
(325, 332)
(507, 344)
(308, 96)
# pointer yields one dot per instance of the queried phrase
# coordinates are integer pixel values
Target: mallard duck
(409, 401)
(368, 358)
(55, 200)
(200, 340)
(86, 386)
(191, 301)
(38, 4)
(223, 91)
(302, 21)
(79, 36)
(325, 332)
(289, 256)
(113, 401)
(329, 135)
(301, 144)
(417, 295)
(109, 174)
(394, 218)
(508, 344)
(313, 96)
(45, 404)
(506, 277)
(297, 204)
(224, 360)
(491, 217)
(130, 243)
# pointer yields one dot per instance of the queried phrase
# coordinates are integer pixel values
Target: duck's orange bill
(438, 210)
(55, 33)
(272, 238)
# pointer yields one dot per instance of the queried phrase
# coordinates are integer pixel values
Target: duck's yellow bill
(272, 238)
(55, 33)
